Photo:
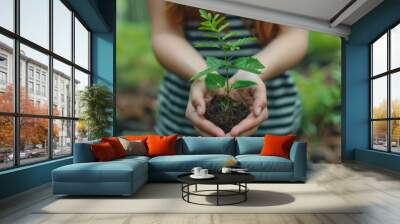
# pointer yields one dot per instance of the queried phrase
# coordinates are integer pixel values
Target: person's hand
(196, 108)
(256, 98)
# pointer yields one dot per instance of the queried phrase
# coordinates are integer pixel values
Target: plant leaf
(207, 44)
(214, 63)
(229, 35)
(203, 13)
(215, 81)
(201, 74)
(243, 41)
(223, 27)
(239, 84)
(249, 64)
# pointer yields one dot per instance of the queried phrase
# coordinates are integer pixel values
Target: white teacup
(203, 172)
(196, 171)
(226, 170)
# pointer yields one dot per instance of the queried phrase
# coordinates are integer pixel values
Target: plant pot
(226, 112)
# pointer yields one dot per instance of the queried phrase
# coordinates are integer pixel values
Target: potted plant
(96, 102)
(223, 110)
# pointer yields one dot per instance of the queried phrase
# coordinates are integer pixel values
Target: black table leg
(217, 194)
(195, 188)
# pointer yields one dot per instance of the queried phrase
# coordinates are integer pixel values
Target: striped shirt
(283, 101)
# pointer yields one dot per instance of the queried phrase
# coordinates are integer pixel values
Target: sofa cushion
(161, 145)
(249, 145)
(103, 152)
(206, 145)
(185, 163)
(83, 152)
(257, 163)
(113, 171)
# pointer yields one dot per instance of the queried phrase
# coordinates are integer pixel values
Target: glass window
(81, 45)
(34, 79)
(81, 131)
(7, 14)
(81, 82)
(35, 21)
(6, 73)
(395, 136)
(379, 98)
(6, 142)
(379, 135)
(385, 125)
(395, 95)
(395, 47)
(62, 29)
(379, 56)
(33, 140)
(61, 75)
(40, 62)
(62, 138)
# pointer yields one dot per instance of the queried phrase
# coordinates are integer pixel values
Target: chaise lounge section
(125, 176)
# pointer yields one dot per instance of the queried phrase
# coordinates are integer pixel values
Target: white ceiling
(328, 16)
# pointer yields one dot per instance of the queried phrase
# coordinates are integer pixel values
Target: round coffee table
(238, 179)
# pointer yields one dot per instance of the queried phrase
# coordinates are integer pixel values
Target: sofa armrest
(83, 152)
(298, 155)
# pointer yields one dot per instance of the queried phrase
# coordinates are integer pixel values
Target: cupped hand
(198, 97)
(256, 98)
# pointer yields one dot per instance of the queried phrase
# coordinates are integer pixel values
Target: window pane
(379, 97)
(81, 45)
(33, 139)
(395, 47)
(379, 135)
(62, 89)
(6, 142)
(35, 21)
(6, 74)
(395, 94)
(81, 81)
(34, 72)
(62, 29)
(81, 131)
(62, 138)
(7, 14)
(395, 136)
(379, 55)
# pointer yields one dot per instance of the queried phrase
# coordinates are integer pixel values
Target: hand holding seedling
(224, 109)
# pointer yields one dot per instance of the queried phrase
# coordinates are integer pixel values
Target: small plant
(97, 103)
(232, 111)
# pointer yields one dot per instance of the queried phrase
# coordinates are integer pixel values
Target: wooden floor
(378, 188)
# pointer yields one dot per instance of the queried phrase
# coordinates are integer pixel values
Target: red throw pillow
(277, 145)
(103, 152)
(116, 145)
(161, 145)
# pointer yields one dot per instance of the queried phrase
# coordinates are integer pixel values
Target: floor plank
(378, 190)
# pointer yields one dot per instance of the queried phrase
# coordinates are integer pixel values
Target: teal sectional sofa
(125, 176)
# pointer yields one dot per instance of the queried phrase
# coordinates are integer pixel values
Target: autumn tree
(33, 131)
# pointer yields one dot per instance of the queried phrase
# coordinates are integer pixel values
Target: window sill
(26, 167)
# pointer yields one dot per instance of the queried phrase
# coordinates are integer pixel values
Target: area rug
(166, 198)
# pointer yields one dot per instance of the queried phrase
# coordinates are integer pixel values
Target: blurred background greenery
(139, 75)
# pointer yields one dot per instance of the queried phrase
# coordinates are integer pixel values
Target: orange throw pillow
(135, 137)
(161, 145)
(103, 152)
(277, 145)
(116, 145)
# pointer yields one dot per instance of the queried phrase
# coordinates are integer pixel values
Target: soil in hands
(226, 112)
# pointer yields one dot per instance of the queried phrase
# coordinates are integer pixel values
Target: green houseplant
(96, 102)
(223, 110)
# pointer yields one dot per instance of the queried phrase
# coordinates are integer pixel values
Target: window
(385, 91)
(45, 73)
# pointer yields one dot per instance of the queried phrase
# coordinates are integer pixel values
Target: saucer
(208, 176)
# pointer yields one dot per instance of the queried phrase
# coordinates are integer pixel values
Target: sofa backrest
(83, 152)
(206, 145)
(249, 145)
